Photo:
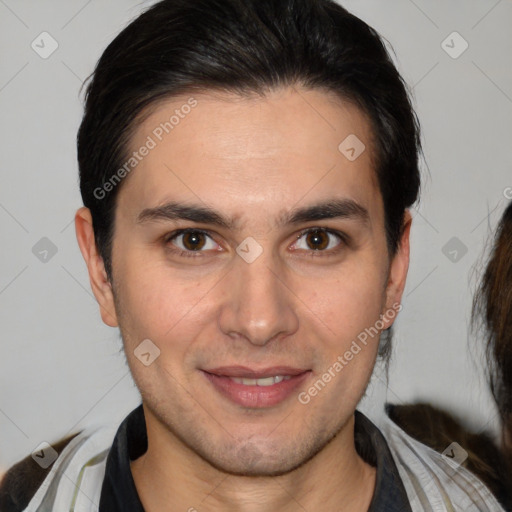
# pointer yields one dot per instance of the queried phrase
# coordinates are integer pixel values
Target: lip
(253, 373)
(254, 396)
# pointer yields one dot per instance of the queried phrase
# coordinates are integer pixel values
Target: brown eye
(190, 242)
(317, 240)
(320, 240)
(193, 240)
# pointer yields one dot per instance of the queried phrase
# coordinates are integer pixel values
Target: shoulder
(435, 480)
(28, 484)
(21, 481)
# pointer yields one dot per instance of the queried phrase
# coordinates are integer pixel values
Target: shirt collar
(389, 494)
(119, 494)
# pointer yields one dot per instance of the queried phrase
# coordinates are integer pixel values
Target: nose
(258, 304)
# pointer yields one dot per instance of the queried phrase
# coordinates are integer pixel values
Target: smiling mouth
(265, 381)
(256, 388)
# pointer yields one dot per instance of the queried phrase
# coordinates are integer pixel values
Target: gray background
(61, 369)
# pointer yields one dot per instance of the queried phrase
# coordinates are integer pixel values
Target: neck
(170, 476)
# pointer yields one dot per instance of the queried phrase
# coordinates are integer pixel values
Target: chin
(251, 468)
(250, 460)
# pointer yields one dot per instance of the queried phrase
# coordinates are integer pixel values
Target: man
(246, 170)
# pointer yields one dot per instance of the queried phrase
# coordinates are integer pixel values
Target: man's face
(285, 304)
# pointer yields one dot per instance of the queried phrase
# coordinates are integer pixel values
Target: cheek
(349, 302)
(158, 305)
(348, 309)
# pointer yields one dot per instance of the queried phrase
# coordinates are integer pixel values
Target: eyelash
(342, 237)
(180, 252)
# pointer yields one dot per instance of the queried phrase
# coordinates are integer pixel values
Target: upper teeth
(267, 381)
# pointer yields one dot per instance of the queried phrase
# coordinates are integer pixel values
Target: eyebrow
(330, 209)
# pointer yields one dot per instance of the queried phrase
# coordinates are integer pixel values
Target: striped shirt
(93, 472)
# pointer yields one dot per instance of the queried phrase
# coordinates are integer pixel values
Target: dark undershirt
(119, 494)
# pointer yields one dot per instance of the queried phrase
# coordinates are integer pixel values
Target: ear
(398, 273)
(100, 285)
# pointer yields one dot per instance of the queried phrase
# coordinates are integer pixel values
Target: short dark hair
(244, 46)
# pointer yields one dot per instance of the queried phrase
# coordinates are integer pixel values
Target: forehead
(250, 156)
